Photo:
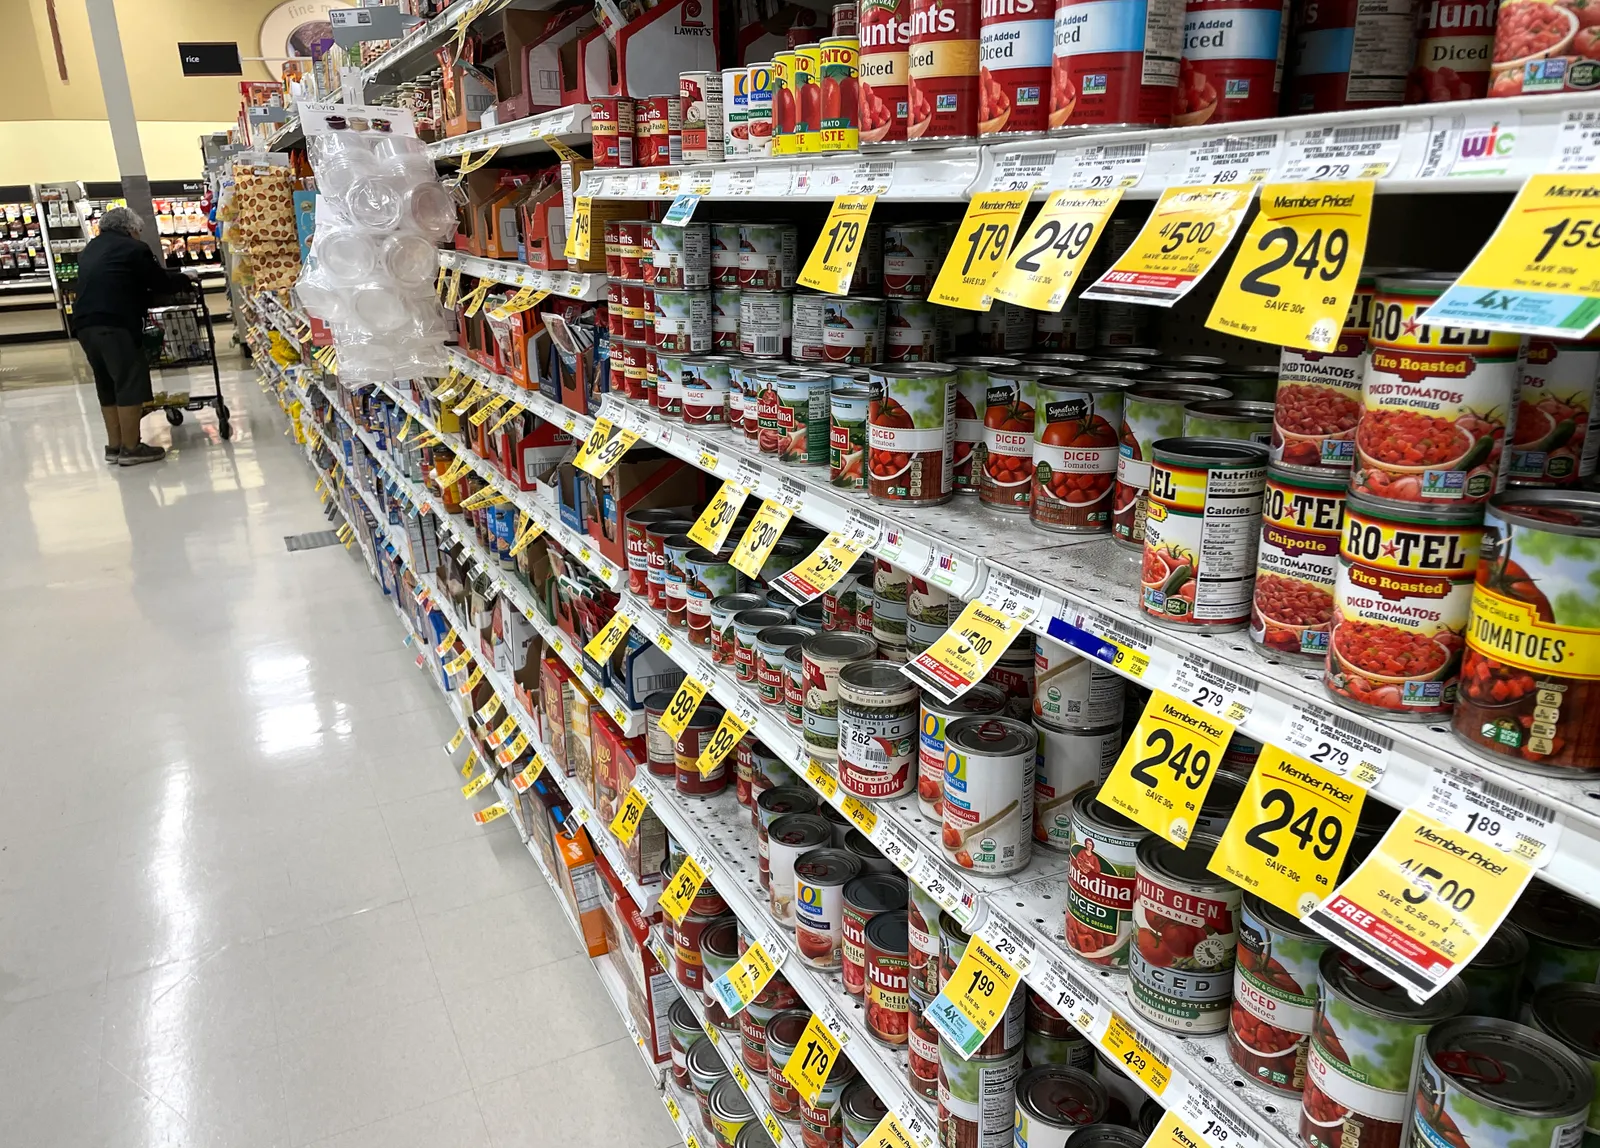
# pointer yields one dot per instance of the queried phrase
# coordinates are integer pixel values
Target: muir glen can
(877, 730)
(1014, 57)
(885, 34)
(943, 66)
(1185, 920)
(1232, 67)
(700, 98)
(1275, 987)
(1115, 63)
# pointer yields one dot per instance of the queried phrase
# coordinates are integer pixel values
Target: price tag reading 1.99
(833, 260)
(982, 241)
(1046, 263)
(974, 998)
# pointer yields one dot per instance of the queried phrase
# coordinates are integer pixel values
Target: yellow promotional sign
(489, 708)
(722, 743)
(760, 537)
(1172, 1132)
(1167, 767)
(564, 153)
(1186, 233)
(1297, 267)
(974, 998)
(861, 815)
(821, 780)
(453, 292)
(890, 1133)
(605, 643)
(816, 574)
(968, 650)
(982, 241)
(470, 305)
(812, 1060)
(525, 298)
(510, 414)
(470, 764)
(682, 706)
(526, 538)
(1138, 1060)
(833, 260)
(748, 976)
(455, 741)
(1046, 263)
(603, 449)
(578, 235)
(471, 788)
(626, 823)
(493, 813)
(711, 528)
(470, 163)
(682, 889)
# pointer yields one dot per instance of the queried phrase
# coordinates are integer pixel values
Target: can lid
(784, 799)
(991, 736)
(680, 1015)
(669, 527)
(1241, 410)
(1311, 478)
(1570, 1012)
(1062, 1096)
(1509, 1066)
(860, 846)
(721, 937)
(1417, 282)
(1140, 354)
(889, 932)
(877, 892)
(1365, 987)
(1220, 451)
(1107, 1136)
(839, 646)
(1574, 512)
(761, 618)
(1189, 865)
(1193, 362)
(705, 1060)
(1545, 912)
(737, 603)
(983, 698)
(1178, 394)
(876, 678)
(799, 830)
(1507, 947)
(753, 1134)
(987, 362)
(728, 1101)
(862, 1104)
(1096, 814)
(825, 867)
(785, 1027)
(783, 636)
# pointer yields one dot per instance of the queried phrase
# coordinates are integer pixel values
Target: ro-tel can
(1232, 66)
(792, 413)
(787, 838)
(1003, 460)
(1563, 937)
(1202, 531)
(1364, 1039)
(685, 1034)
(1348, 54)
(912, 331)
(1494, 975)
(972, 389)
(1455, 40)
(824, 656)
(1238, 419)
(725, 327)
(725, 254)
(636, 525)
(1075, 452)
(1149, 411)
(767, 256)
(758, 108)
(746, 626)
(847, 436)
(1571, 1014)
(706, 577)
(705, 382)
(1318, 399)
(853, 330)
(806, 326)
(865, 898)
(1100, 882)
(1116, 63)
(1542, 49)
(770, 805)
(784, 1031)
(887, 953)
(611, 127)
(822, 1123)
(804, 75)
(772, 648)
(723, 610)
(877, 730)
(1007, 1035)
(682, 321)
(988, 794)
(1484, 1081)
(1053, 1102)
(885, 34)
(891, 587)
(912, 254)
(1436, 402)
(977, 1098)
(1401, 604)
(1274, 995)
(838, 79)
(1530, 676)
(1071, 691)
(678, 548)
(764, 318)
(1185, 918)
(1050, 1038)
(982, 700)
(686, 753)
(1014, 58)
(1068, 762)
(943, 70)
(681, 256)
(735, 112)
(911, 434)
(1552, 444)
(700, 99)
(1297, 563)
(819, 880)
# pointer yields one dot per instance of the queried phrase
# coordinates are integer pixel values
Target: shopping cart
(177, 336)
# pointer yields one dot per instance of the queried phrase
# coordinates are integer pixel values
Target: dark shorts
(121, 370)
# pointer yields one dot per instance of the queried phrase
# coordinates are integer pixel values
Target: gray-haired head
(122, 221)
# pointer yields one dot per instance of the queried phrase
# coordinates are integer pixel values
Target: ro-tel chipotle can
(988, 794)
(767, 256)
(935, 717)
(847, 436)
(911, 434)
(943, 72)
(839, 81)
(723, 611)
(1454, 43)
(787, 838)
(972, 389)
(805, 342)
(1014, 58)
(1050, 1038)
(636, 525)
(700, 99)
(1486, 1081)
(758, 108)
(784, 1031)
(682, 321)
(1068, 762)
(772, 648)
(1229, 418)
(725, 254)
(977, 1099)
(1297, 563)
(1571, 1014)
(1100, 882)
(887, 953)
(1436, 402)
(1552, 444)
(1530, 676)
(1318, 399)
(1116, 63)
(1149, 411)
(611, 128)
(705, 380)
(1232, 66)
(803, 74)
(912, 254)
(853, 330)
(746, 626)
(792, 410)
(681, 256)
(1075, 452)
(927, 613)
(1202, 531)
(1185, 919)
(771, 804)
(764, 319)
(877, 730)
(735, 112)
(1401, 604)
(819, 880)
(1364, 1040)
(823, 657)
(1347, 55)
(1274, 996)
(885, 34)
(706, 577)
(1543, 49)
(1053, 1102)
(866, 897)
(686, 753)
(913, 335)
(1007, 1035)
(1003, 460)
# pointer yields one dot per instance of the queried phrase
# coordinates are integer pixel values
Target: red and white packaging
(612, 127)
(1232, 67)
(885, 69)
(943, 70)
(1014, 54)
(700, 102)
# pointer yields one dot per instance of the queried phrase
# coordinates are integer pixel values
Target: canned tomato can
(735, 112)
(847, 436)
(758, 108)
(1053, 1102)
(839, 81)
(1238, 419)
(1318, 398)
(1101, 881)
(700, 100)
(1552, 444)
(1571, 1014)
(1275, 989)
(912, 332)
(764, 318)
(972, 388)
(685, 1034)
(785, 138)
(1561, 932)
(1455, 42)
(1013, 673)
(927, 614)
(1150, 411)
(866, 897)
(792, 413)
(794, 683)
(723, 610)
(1074, 327)
(771, 804)
(891, 587)
(1072, 691)
(655, 540)
(1185, 918)
(772, 648)
(1347, 55)
(1014, 57)
(1116, 64)
(857, 844)
(746, 626)
(852, 330)
(1004, 329)
(887, 984)
(1530, 676)
(686, 752)
(819, 880)
(789, 837)
(804, 75)
(678, 548)
(822, 1123)
(611, 128)
(753, 1031)
(1297, 563)
(806, 339)
(681, 256)
(784, 1031)
(659, 129)
(1007, 1035)
(1003, 460)
(636, 527)
(942, 70)
(725, 254)
(1542, 49)
(912, 255)
(1068, 762)
(877, 730)
(1401, 605)
(1050, 1038)
(922, 913)
(1232, 66)
(1473, 1086)
(1493, 978)
(706, 577)
(1075, 453)
(725, 323)
(824, 656)
(977, 1099)
(687, 940)
(935, 717)
(988, 794)
(911, 434)
(885, 32)
(922, 1045)
(705, 382)
(767, 256)
(682, 321)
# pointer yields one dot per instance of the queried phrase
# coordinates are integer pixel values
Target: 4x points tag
(974, 998)
(1166, 768)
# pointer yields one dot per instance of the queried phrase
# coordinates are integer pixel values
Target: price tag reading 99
(1046, 263)
(722, 743)
(982, 241)
(833, 260)
(682, 706)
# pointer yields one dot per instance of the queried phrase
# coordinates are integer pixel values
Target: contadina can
(982, 700)
(1008, 1034)
(1069, 762)
(1101, 881)
(1553, 444)
(988, 794)
(1232, 67)
(765, 319)
(1053, 1102)
(1297, 563)
(772, 646)
(1185, 920)
(885, 33)
(847, 436)
(1318, 399)
(822, 1124)
(887, 946)
(977, 1099)
(877, 730)
(943, 67)
(784, 1031)
(823, 657)
(792, 416)
(1486, 1081)
(1201, 533)
(1075, 453)
(1115, 64)
(865, 898)
(819, 881)
(1274, 995)
(1014, 57)
(1149, 411)
(911, 434)
(1071, 691)
(788, 838)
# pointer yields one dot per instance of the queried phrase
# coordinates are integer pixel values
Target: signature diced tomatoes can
(1004, 457)
(972, 388)
(911, 434)
(1075, 453)
(1297, 563)
(1185, 927)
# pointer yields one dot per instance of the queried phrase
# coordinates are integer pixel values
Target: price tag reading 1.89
(833, 259)
(1046, 263)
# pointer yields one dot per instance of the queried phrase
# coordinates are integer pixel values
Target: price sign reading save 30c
(711, 528)
(833, 260)
(982, 241)
(1184, 236)
(1046, 263)
(1292, 280)
(760, 537)
(1167, 767)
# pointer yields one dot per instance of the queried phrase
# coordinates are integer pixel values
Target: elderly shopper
(118, 276)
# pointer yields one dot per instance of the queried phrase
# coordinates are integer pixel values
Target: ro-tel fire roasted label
(1184, 236)
(982, 241)
(1297, 268)
(1165, 770)
(1046, 263)
(1423, 902)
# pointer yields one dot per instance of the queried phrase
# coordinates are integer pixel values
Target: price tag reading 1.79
(813, 1059)
(833, 260)
(1046, 263)
(1166, 768)
(982, 241)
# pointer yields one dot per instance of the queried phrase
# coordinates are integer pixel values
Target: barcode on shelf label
(1203, 1112)
(1232, 159)
(1339, 744)
(791, 492)
(898, 846)
(1493, 814)
(1068, 995)
(1365, 152)
(1216, 689)
(1100, 166)
(871, 177)
(1008, 942)
(1014, 595)
(1021, 172)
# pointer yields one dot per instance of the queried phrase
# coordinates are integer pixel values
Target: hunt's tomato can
(1455, 39)
(611, 127)
(658, 129)
(1185, 928)
(838, 73)
(1349, 54)
(1115, 63)
(885, 34)
(807, 98)
(1014, 45)
(1232, 67)
(943, 70)
(1552, 444)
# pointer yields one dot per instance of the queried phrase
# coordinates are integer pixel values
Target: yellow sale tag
(723, 740)
(982, 241)
(626, 823)
(564, 153)
(1123, 1045)
(968, 650)
(602, 449)
(605, 643)
(774, 1129)
(470, 764)
(475, 300)
(974, 997)
(578, 234)
(1044, 266)
(1184, 236)
(813, 1059)
(672, 1108)
(489, 708)
(711, 528)
(473, 164)
(510, 414)
(1292, 280)
(682, 706)
(498, 736)
(472, 680)
(821, 780)
(833, 260)
(816, 574)
(455, 741)
(446, 642)
(751, 973)
(526, 538)
(513, 751)
(1166, 768)
(682, 889)
(1172, 1132)
(890, 1133)
(1289, 834)
(525, 298)
(530, 774)
(438, 284)
(453, 293)
(482, 415)
(860, 813)
(760, 537)
(471, 788)
(459, 663)
(497, 810)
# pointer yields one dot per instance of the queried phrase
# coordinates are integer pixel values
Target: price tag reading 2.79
(833, 260)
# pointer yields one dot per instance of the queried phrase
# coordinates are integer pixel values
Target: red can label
(1116, 62)
(659, 131)
(838, 66)
(885, 69)
(611, 126)
(1014, 66)
(1350, 54)
(1232, 66)
(1455, 39)
(943, 69)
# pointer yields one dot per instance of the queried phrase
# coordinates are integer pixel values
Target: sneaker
(113, 454)
(144, 452)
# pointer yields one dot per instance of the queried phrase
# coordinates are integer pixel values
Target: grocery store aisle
(241, 899)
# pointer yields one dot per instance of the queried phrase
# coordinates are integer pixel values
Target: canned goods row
(643, 132)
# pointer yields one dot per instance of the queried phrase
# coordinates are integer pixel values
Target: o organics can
(1552, 444)
(803, 74)
(972, 388)
(1071, 691)
(681, 256)
(884, 30)
(1530, 677)
(1069, 762)
(1185, 918)
(1401, 603)
(819, 880)
(1274, 995)
(1009, 1032)
(912, 255)
(1014, 58)
(736, 112)
(1476, 1086)
(789, 837)
(611, 129)
(1075, 453)
(700, 98)
(866, 897)
(1232, 66)
(1115, 64)
(943, 70)
(758, 108)
(852, 330)
(935, 717)
(1571, 1014)
(1455, 40)
(792, 414)
(977, 1099)
(847, 436)
(988, 794)
(1229, 418)
(767, 256)
(1318, 399)
(1149, 411)
(1003, 461)
(764, 324)
(823, 657)
(1201, 534)
(877, 730)
(1053, 1102)
(705, 381)
(1101, 881)
(725, 254)
(839, 60)
(911, 434)
(887, 1001)
(1348, 55)
(1297, 562)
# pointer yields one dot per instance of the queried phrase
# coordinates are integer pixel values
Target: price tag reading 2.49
(1167, 767)
(833, 260)
(1045, 265)
(1186, 234)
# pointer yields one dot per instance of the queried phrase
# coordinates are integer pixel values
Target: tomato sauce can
(707, 576)
(725, 322)
(788, 838)
(682, 321)
(819, 880)
(725, 254)
(1232, 66)
(972, 388)
(923, 913)
(1185, 918)
(977, 1099)
(913, 335)
(911, 434)
(655, 538)
(823, 657)
(784, 1031)
(611, 128)
(1401, 605)
(687, 936)
(1053, 1102)
(1297, 562)
(877, 730)
(865, 898)
(1553, 444)
(758, 108)
(735, 112)
(705, 380)
(884, 31)
(680, 256)
(1068, 762)
(1202, 532)
(839, 83)
(1455, 41)
(1274, 996)
(1571, 1014)
(767, 256)
(679, 547)
(1003, 460)
(852, 330)
(988, 794)
(1101, 881)
(912, 255)
(1115, 64)
(1075, 453)
(1014, 59)
(1318, 399)
(700, 99)
(1472, 1086)
(822, 1123)
(935, 717)
(1009, 1032)
(804, 75)
(1349, 54)
(764, 324)
(636, 527)
(1071, 691)
(1149, 411)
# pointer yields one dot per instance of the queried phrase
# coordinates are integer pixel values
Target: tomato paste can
(987, 804)
(724, 607)
(822, 1123)
(912, 255)
(1318, 399)
(865, 898)
(839, 81)
(1552, 444)
(1149, 411)
(1232, 66)
(1454, 43)
(886, 944)
(764, 319)
(820, 877)
(977, 1098)
(1571, 1014)
(927, 614)
(1348, 54)
(1364, 1040)
(1100, 882)
(1473, 1086)
(877, 730)
(725, 254)
(1274, 995)
(982, 700)
(943, 70)
(1068, 762)
(911, 434)
(852, 330)
(1543, 49)
(1180, 970)
(1115, 64)
(659, 128)
(847, 436)
(735, 112)
(611, 128)
(700, 99)
(1053, 1102)
(767, 256)
(804, 75)
(1401, 605)
(1014, 60)
(768, 806)
(686, 752)
(1297, 563)
(758, 108)
(1050, 1038)
(789, 837)
(972, 389)
(885, 36)
(1073, 691)
(1075, 452)
(792, 410)
(824, 656)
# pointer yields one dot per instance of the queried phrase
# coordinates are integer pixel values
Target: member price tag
(493, 813)
(453, 291)
(526, 538)
(603, 447)
(1135, 1057)
(579, 234)
(833, 260)
(1366, 152)
(1044, 266)
(1339, 744)
(821, 780)
(1173, 1132)
(861, 815)
(1184, 236)
(1166, 768)
(470, 764)
(446, 642)
(982, 241)
(974, 998)
(760, 537)
(1232, 159)
(1493, 814)
(682, 889)
(497, 736)
(489, 708)
(626, 823)
(605, 643)
(473, 302)
(891, 1133)
(741, 984)
(473, 787)
(812, 1061)
(513, 751)
(968, 650)
(530, 774)
(724, 738)
(1297, 268)
(1290, 832)
(817, 573)
(682, 706)
(455, 741)
(711, 528)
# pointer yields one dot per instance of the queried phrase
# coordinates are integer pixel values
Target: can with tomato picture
(1149, 411)
(735, 112)
(1003, 459)
(1075, 453)
(1318, 399)
(1455, 40)
(1101, 881)
(1231, 418)
(972, 389)
(1401, 601)
(1297, 563)
(988, 794)
(1185, 921)
(1552, 444)
(839, 80)
(1014, 55)
(888, 945)
(1232, 66)
(1067, 762)
(885, 35)
(1115, 63)
(911, 434)
(611, 129)
(785, 141)
(942, 70)
(700, 98)
(1543, 49)
(982, 700)
(819, 880)
(1472, 1085)
(805, 79)
(758, 108)
(1348, 54)
(1274, 995)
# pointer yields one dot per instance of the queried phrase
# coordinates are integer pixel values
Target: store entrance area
(242, 901)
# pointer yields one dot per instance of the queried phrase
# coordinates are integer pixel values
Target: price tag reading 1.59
(982, 241)
(760, 537)
(1184, 236)
(833, 260)
(711, 528)
(1045, 265)
(1297, 267)
(1167, 767)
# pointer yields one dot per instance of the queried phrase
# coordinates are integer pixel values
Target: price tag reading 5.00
(1167, 767)
(1045, 265)
(968, 650)
(982, 241)
(1184, 236)
(833, 260)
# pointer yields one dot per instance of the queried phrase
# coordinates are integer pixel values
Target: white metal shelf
(572, 284)
(526, 136)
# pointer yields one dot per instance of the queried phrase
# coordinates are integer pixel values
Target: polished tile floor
(241, 900)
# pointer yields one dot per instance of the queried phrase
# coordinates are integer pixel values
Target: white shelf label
(1066, 992)
(1021, 171)
(1233, 159)
(1339, 744)
(1493, 814)
(1578, 145)
(1100, 166)
(1213, 688)
(800, 179)
(734, 182)
(871, 177)
(1366, 152)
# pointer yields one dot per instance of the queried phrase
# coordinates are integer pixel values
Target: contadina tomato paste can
(1318, 400)
(1185, 921)
(1298, 561)
(988, 794)
(1004, 458)
(885, 35)
(887, 945)
(819, 881)
(1552, 444)
(1349, 54)
(1530, 677)
(1401, 603)
(1075, 453)
(911, 434)
(1053, 1102)
(1201, 535)
(1274, 995)
(1115, 63)
(1100, 881)
(1149, 411)
(1232, 67)
(943, 70)
(1455, 40)
(877, 730)
(1014, 57)
(865, 898)
(981, 700)
(784, 1031)
(1008, 1034)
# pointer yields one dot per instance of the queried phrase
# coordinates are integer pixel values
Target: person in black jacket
(117, 278)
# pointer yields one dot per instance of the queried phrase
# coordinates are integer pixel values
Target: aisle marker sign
(982, 242)
(1185, 235)
(760, 537)
(1045, 265)
(813, 1060)
(1296, 270)
(1166, 768)
(682, 889)
(629, 816)
(974, 998)
(711, 528)
(605, 643)
(833, 260)
(681, 708)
